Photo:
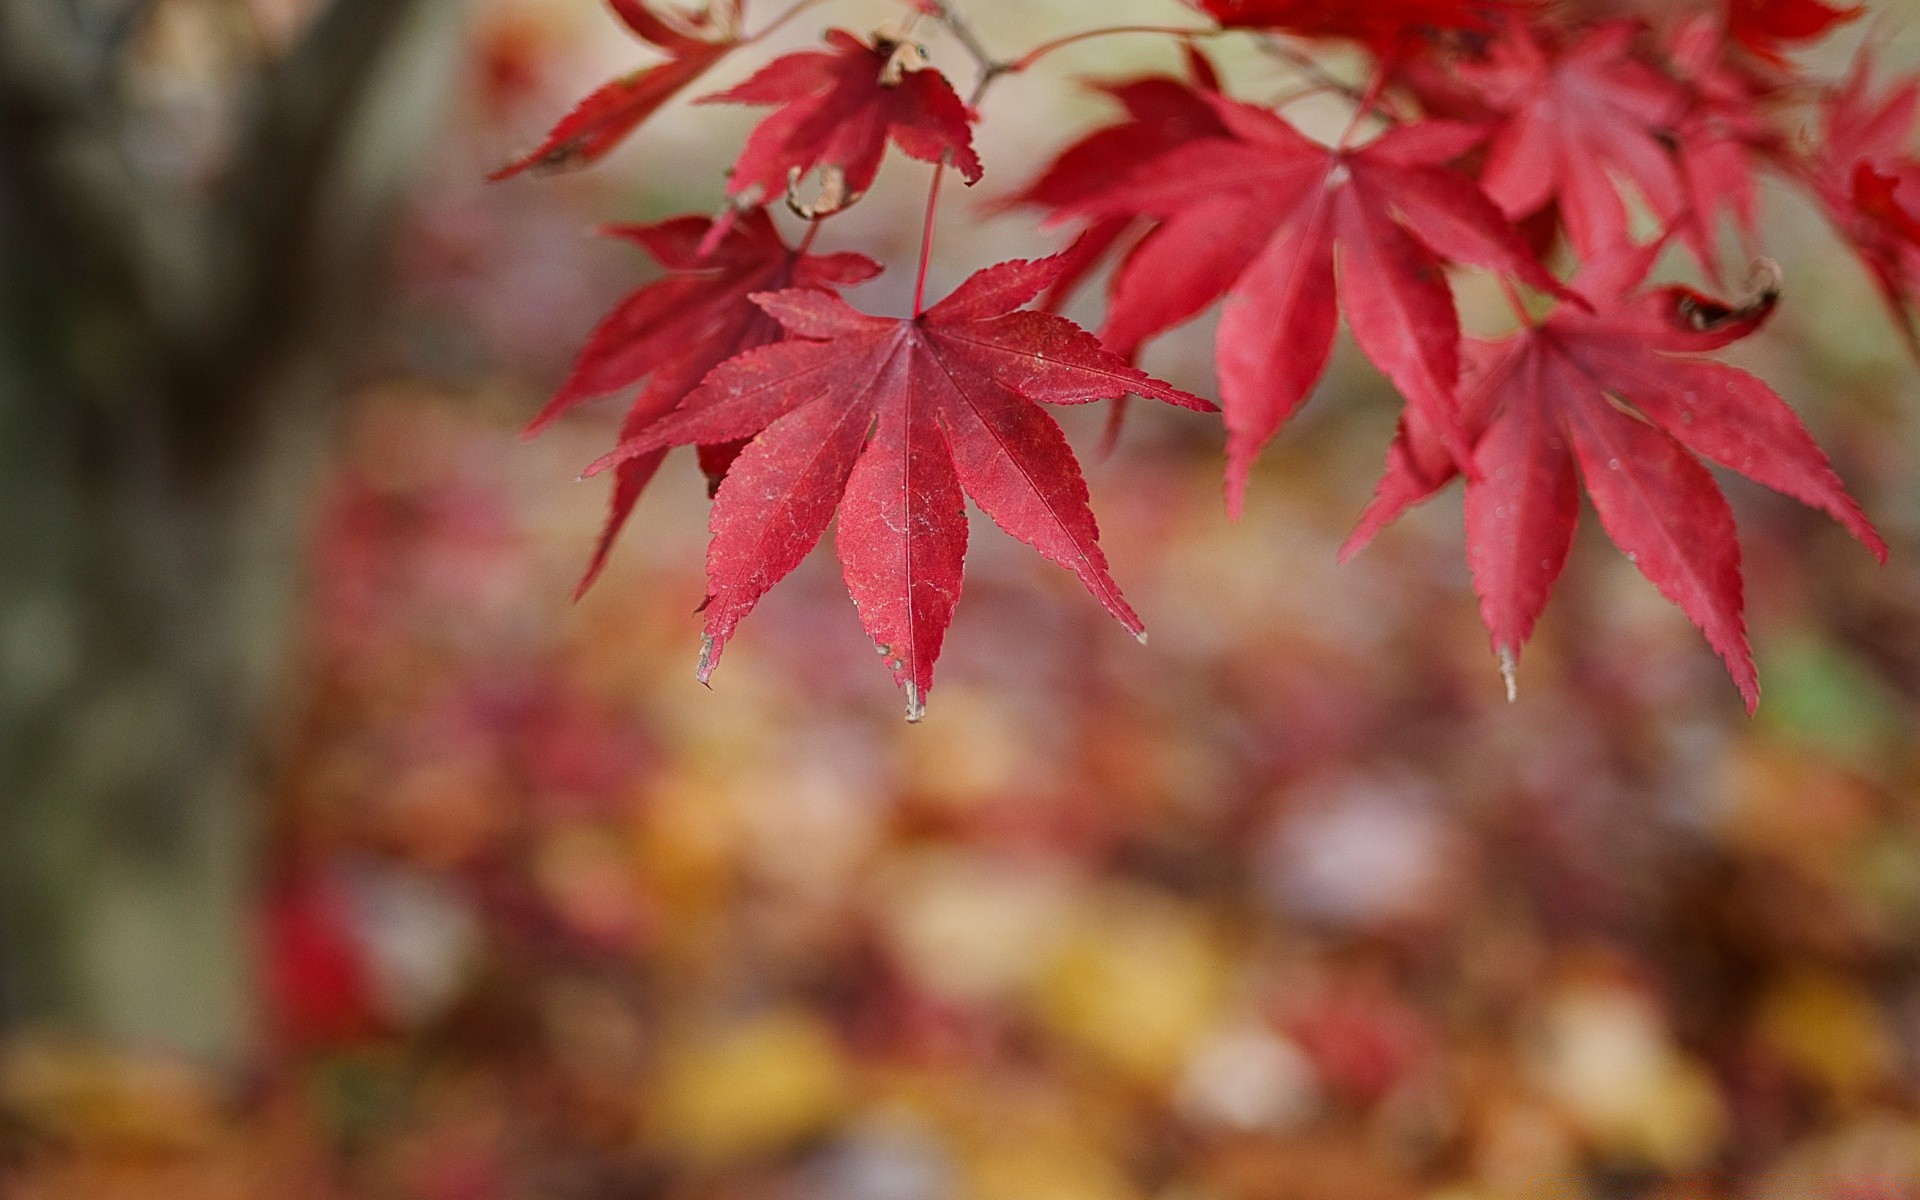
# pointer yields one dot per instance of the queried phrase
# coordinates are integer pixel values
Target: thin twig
(991, 68)
(1045, 48)
(1304, 63)
(987, 78)
(962, 30)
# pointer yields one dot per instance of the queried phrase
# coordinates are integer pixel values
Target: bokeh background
(342, 856)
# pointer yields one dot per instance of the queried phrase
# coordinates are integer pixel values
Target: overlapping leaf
(1578, 118)
(838, 109)
(1617, 398)
(890, 422)
(671, 333)
(1256, 217)
(1163, 113)
(1869, 182)
(1724, 138)
(606, 117)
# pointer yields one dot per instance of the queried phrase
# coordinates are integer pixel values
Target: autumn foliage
(1575, 153)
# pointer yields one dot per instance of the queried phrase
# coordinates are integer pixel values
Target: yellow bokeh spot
(1136, 985)
(1828, 1029)
(750, 1089)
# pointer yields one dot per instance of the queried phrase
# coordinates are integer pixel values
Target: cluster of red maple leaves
(1563, 148)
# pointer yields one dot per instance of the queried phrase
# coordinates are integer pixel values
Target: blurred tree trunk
(164, 388)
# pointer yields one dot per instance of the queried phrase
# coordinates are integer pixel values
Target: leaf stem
(1514, 301)
(1382, 71)
(926, 241)
(806, 239)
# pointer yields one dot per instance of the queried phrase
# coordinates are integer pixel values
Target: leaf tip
(709, 659)
(916, 704)
(1875, 544)
(1510, 672)
(606, 462)
(1358, 540)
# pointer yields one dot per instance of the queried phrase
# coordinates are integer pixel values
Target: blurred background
(342, 856)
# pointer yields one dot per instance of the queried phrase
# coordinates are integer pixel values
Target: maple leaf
(606, 117)
(1381, 24)
(1869, 184)
(1162, 114)
(1578, 118)
(838, 110)
(672, 332)
(890, 421)
(1618, 393)
(1256, 217)
(1723, 139)
(1761, 25)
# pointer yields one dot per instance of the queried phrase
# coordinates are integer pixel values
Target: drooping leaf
(672, 332)
(1618, 391)
(1256, 217)
(890, 422)
(607, 116)
(838, 109)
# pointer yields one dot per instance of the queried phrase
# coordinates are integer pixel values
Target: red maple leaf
(1619, 393)
(1379, 23)
(1163, 113)
(1256, 218)
(1869, 184)
(1761, 25)
(671, 333)
(890, 421)
(318, 987)
(1724, 137)
(605, 118)
(838, 109)
(1578, 118)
